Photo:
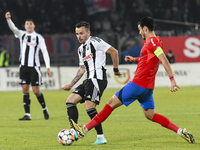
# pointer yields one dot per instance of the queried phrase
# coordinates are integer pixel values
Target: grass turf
(126, 128)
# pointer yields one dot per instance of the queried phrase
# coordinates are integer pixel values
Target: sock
(100, 136)
(28, 114)
(72, 111)
(40, 98)
(165, 122)
(100, 117)
(179, 132)
(27, 102)
(92, 113)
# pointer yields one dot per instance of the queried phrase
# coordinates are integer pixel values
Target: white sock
(28, 114)
(100, 135)
(178, 132)
(85, 129)
(44, 108)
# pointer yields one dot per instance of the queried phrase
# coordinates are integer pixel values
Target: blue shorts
(131, 92)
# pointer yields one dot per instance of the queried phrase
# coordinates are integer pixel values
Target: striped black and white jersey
(92, 54)
(30, 45)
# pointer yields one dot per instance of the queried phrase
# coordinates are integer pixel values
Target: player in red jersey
(142, 85)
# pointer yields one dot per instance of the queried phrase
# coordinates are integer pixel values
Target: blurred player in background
(142, 85)
(92, 60)
(4, 57)
(30, 45)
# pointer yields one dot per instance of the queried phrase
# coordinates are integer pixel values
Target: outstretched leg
(165, 122)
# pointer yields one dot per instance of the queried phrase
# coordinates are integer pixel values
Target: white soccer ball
(66, 136)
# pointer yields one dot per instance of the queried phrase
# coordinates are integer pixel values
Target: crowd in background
(60, 16)
(117, 26)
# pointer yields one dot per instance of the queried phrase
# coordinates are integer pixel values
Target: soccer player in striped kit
(30, 45)
(92, 60)
(142, 85)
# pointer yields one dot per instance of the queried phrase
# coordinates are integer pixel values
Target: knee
(89, 105)
(149, 116)
(25, 91)
(70, 100)
(114, 102)
(36, 92)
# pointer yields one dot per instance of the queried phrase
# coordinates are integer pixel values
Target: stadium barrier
(186, 74)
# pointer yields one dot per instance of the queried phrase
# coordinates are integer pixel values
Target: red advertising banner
(185, 49)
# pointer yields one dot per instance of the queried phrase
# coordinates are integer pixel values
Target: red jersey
(148, 63)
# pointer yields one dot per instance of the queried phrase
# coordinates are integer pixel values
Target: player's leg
(36, 81)
(149, 112)
(92, 112)
(26, 102)
(113, 103)
(75, 97)
(25, 81)
(93, 91)
(125, 96)
(71, 102)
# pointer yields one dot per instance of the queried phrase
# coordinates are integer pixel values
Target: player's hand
(174, 86)
(67, 87)
(129, 59)
(7, 15)
(48, 72)
(118, 73)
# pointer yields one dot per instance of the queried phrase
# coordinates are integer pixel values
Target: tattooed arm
(79, 74)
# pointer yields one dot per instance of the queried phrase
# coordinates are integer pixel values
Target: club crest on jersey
(124, 78)
(87, 57)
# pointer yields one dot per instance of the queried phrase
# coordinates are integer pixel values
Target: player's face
(82, 34)
(141, 32)
(29, 26)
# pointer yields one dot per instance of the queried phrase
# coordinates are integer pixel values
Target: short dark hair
(83, 24)
(29, 20)
(148, 22)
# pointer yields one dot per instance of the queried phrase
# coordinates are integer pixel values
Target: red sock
(100, 117)
(162, 120)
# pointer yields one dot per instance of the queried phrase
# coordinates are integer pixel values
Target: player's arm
(77, 77)
(45, 55)
(131, 59)
(114, 55)
(161, 56)
(46, 60)
(11, 25)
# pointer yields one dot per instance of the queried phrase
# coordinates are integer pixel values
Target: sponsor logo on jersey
(87, 57)
(29, 44)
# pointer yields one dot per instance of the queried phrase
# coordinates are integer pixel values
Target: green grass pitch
(126, 128)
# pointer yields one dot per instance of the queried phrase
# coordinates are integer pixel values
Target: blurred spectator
(60, 16)
(170, 56)
(131, 50)
(4, 57)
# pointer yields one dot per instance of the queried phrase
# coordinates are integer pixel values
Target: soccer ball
(66, 136)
